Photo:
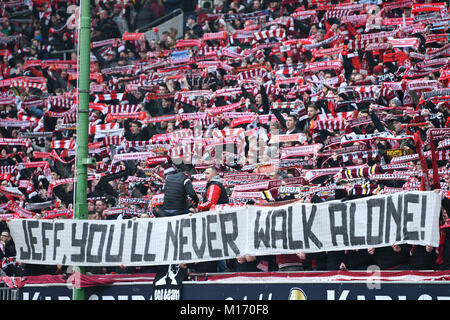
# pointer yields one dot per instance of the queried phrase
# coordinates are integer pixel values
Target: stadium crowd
(342, 99)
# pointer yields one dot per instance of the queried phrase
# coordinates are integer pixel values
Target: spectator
(422, 258)
(144, 15)
(106, 26)
(177, 188)
(336, 260)
(290, 262)
(194, 27)
(359, 260)
(395, 257)
(9, 266)
(249, 263)
(100, 206)
(157, 8)
(215, 191)
(119, 18)
(137, 133)
(8, 244)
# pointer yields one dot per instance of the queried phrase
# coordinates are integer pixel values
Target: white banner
(375, 221)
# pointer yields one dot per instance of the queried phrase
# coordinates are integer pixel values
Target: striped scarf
(287, 105)
(348, 138)
(108, 97)
(15, 142)
(365, 189)
(279, 33)
(324, 65)
(285, 21)
(102, 128)
(56, 213)
(179, 98)
(355, 45)
(359, 155)
(28, 84)
(360, 172)
(57, 101)
(300, 151)
(291, 69)
(63, 144)
(337, 14)
(328, 124)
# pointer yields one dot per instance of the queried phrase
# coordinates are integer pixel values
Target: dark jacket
(334, 259)
(65, 197)
(176, 189)
(108, 29)
(387, 258)
(421, 259)
(154, 107)
(359, 259)
(103, 188)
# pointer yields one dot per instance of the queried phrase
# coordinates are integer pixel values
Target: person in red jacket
(215, 192)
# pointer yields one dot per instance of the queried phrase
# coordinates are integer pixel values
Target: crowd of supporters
(343, 99)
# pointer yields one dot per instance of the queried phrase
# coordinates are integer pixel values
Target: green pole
(81, 208)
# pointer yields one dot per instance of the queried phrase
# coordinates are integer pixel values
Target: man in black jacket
(107, 26)
(8, 266)
(194, 27)
(177, 188)
(395, 257)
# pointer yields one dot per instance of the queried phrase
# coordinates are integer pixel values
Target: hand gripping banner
(374, 221)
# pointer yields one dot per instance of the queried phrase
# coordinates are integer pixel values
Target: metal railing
(175, 20)
(161, 20)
